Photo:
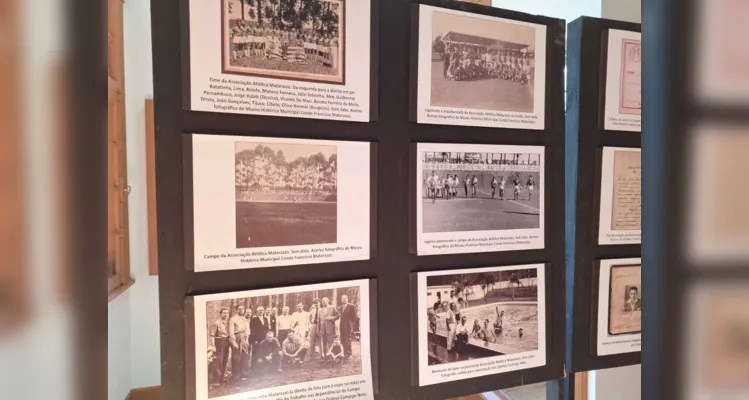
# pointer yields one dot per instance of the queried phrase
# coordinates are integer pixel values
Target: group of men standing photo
(252, 349)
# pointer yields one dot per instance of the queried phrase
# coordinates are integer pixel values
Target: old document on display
(623, 76)
(621, 204)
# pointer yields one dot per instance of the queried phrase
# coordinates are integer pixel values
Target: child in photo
(335, 354)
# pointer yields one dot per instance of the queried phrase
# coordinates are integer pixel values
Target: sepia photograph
(480, 315)
(622, 103)
(482, 64)
(467, 317)
(284, 39)
(286, 194)
(258, 340)
(630, 100)
(473, 191)
(625, 300)
(626, 210)
(619, 310)
(620, 210)
(266, 202)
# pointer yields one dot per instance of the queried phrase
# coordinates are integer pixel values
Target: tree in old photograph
(303, 16)
(265, 170)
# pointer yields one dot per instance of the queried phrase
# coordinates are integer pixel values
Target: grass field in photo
(269, 66)
(268, 224)
(481, 94)
(483, 213)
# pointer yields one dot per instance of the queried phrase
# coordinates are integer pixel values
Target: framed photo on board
(721, 73)
(716, 367)
(311, 340)
(263, 202)
(717, 223)
(477, 70)
(475, 197)
(481, 321)
(621, 203)
(310, 61)
(622, 100)
(619, 307)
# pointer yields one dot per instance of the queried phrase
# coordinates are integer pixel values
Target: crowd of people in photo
(466, 62)
(458, 329)
(249, 40)
(448, 186)
(261, 341)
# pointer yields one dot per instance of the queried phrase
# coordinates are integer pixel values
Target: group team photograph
(276, 340)
(482, 64)
(288, 39)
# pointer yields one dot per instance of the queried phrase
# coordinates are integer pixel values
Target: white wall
(565, 9)
(623, 10)
(119, 346)
(144, 295)
(622, 383)
(134, 354)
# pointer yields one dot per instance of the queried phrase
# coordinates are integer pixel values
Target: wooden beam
(581, 386)
(153, 245)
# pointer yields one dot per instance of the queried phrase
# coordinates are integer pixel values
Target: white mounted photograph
(274, 343)
(290, 58)
(481, 321)
(620, 216)
(475, 198)
(623, 96)
(289, 40)
(619, 307)
(289, 187)
(261, 202)
(477, 70)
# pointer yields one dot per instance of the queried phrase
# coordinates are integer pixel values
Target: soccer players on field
(530, 185)
(432, 183)
(494, 186)
(446, 186)
(502, 187)
(516, 185)
(467, 183)
(474, 181)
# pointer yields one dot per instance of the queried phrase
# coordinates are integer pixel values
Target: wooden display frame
(392, 133)
(585, 138)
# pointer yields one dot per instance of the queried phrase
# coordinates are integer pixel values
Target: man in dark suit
(445, 64)
(259, 326)
(348, 323)
(326, 327)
